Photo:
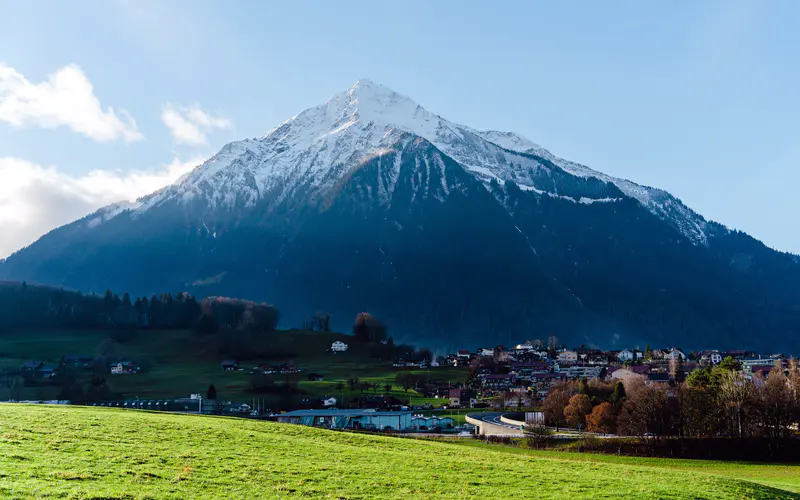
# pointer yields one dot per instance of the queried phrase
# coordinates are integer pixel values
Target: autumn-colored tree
(602, 419)
(793, 375)
(599, 390)
(700, 415)
(735, 396)
(368, 328)
(481, 362)
(675, 365)
(555, 402)
(634, 383)
(776, 405)
(644, 412)
(579, 406)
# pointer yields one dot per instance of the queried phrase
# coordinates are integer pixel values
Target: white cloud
(66, 99)
(190, 124)
(35, 199)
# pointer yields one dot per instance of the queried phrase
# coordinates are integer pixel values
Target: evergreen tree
(619, 393)
(730, 364)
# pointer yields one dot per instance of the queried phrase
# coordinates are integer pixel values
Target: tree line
(23, 306)
(718, 402)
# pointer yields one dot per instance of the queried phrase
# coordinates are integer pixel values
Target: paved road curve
(489, 423)
(493, 417)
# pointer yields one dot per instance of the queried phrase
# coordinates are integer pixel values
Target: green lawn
(75, 452)
(781, 476)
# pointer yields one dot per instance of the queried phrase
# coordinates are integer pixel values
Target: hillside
(181, 362)
(453, 236)
(91, 453)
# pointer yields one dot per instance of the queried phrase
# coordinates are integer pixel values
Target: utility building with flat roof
(349, 419)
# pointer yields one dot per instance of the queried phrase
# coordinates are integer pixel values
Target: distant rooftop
(343, 413)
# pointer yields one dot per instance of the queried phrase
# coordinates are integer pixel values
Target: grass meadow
(78, 452)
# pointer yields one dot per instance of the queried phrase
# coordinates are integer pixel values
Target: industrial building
(349, 419)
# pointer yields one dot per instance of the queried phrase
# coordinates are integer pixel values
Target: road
(490, 423)
(493, 417)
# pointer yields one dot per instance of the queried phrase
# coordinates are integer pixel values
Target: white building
(625, 374)
(627, 355)
(568, 357)
(676, 354)
(715, 357)
(339, 346)
(749, 364)
(577, 372)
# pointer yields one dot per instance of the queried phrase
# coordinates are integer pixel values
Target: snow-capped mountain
(313, 150)
(452, 234)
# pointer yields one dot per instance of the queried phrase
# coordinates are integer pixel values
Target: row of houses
(232, 365)
(192, 404)
(41, 370)
(592, 356)
(535, 370)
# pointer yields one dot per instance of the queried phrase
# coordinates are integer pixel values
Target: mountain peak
(372, 102)
(366, 88)
(314, 149)
(364, 83)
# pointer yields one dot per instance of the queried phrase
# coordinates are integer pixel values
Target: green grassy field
(74, 452)
(184, 363)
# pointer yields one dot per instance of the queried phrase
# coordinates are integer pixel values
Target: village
(500, 378)
(524, 374)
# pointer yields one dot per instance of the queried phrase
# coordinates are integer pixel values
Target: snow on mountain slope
(509, 140)
(315, 148)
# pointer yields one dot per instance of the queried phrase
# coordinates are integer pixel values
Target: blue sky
(699, 98)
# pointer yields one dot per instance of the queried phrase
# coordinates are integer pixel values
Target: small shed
(229, 365)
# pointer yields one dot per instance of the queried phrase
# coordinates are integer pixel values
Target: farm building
(229, 365)
(349, 419)
(339, 346)
(123, 368)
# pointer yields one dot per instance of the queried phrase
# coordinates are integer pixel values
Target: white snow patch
(589, 201)
(527, 240)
